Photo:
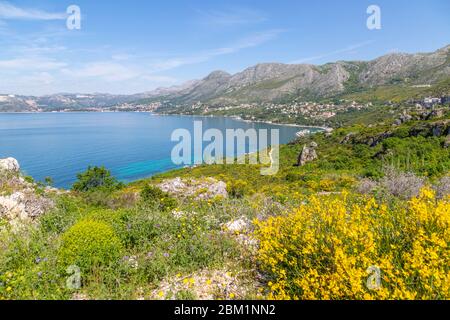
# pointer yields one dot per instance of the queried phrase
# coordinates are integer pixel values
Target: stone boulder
(447, 142)
(348, 138)
(313, 145)
(439, 113)
(307, 154)
(173, 186)
(435, 129)
(23, 206)
(242, 230)
(200, 189)
(9, 164)
(405, 117)
(376, 140)
(239, 225)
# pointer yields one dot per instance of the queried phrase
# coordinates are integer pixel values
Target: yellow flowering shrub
(337, 248)
(326, 185)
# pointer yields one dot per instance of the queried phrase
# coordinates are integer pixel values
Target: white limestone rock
(9, 164)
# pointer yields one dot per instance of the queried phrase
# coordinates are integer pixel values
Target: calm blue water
(131, 145)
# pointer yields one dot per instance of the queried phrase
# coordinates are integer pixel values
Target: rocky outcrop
(428, 129)
(425, 115)
(435, 114)
(348, 138)
(9, 164)
(439, 128)
(307, 154)
(19, 202)
(238, 225)
(447, 142)
(375, 140)
(209, 284)
(242, 231)
(23, 206)
(201, 189)
(405, 117)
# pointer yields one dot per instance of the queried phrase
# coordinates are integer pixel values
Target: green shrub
(64, 215)
(293, 177)
(401, 132)
(95, 178)
(29, 179)
(237, 188)
(89, 244)
(154, 196)
(48, 181)
(185, 295)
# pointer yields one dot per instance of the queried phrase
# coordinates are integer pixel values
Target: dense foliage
(329, 248)
(89, 244)
(95, 178)
(154, 196)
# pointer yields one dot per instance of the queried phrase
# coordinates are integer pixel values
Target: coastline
(320, 128)
(153, 114)
(286, 124)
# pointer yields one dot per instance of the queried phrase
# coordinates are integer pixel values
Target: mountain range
(266, 82)
(272, 82)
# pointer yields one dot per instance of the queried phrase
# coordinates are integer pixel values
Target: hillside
(226, 232)
(275, 82)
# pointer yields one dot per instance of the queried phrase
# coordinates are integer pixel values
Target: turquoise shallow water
(131, 145)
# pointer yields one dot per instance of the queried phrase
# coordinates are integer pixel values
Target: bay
(131, 145)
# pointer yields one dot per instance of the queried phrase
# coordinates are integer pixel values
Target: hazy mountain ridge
(63, 101)
(266, 82)
(275, 81)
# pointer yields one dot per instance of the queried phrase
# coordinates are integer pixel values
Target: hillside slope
(274, 82)
(226, 232)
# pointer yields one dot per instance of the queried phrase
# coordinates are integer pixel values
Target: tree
(48, 181)
(96, 178)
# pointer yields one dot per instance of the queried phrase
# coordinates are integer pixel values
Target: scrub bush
(89, 244)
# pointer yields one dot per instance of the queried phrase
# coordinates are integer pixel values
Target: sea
(132, 145)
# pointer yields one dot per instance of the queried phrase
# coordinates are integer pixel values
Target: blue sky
(129, 46)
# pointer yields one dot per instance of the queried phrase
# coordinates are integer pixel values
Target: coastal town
(306, 112)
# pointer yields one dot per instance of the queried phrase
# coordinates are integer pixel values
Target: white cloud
(249, 42)
(41, 78)
(159, 79)
(38, 62)
(30, 64)
(36, 49)
(9, 11)
(109, 71)
(347, 49)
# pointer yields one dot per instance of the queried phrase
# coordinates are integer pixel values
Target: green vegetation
(89, 244)
(398, 92)
(154, 196)
(136, 241)
(95, 178)
(237, 188)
